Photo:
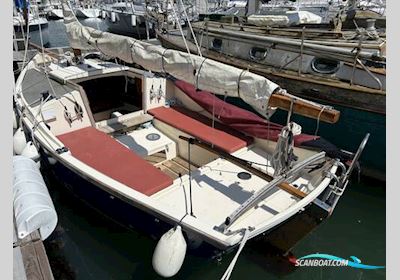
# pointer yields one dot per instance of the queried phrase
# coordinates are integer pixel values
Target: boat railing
(340, 182)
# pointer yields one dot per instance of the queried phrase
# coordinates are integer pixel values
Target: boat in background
(128, 18)
(309, 61)
(36, 23)
(87, 9)
(54, 11)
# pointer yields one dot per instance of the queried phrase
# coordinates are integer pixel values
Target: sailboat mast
(25, 13)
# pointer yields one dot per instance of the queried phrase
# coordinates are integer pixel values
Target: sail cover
(203, 73)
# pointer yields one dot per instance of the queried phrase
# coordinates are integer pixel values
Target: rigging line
(223, 106)
(181, 31)
(290, 111)
(267, 157)
(318, 119)
(213, 118)
(191, 29)
(190, 178)
(184, 195)
(231, 266)
(44, 62)
(26, 43)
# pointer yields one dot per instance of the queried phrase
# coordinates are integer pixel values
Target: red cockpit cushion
(106, 155)
(190, 125)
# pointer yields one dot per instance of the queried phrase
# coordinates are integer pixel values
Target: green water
(87, 245)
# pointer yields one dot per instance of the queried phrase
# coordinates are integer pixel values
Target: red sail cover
(237, 118)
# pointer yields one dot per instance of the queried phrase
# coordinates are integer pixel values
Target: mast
(25, 12)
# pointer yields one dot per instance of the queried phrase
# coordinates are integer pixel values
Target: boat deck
(218, 190)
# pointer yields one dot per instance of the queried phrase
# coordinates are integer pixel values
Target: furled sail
(203, 73)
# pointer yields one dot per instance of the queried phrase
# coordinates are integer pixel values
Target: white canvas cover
(286, 19)
(303, 17)
(204, 73)
(268, 20)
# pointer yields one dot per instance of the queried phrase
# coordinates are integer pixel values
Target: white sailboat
(156, 150)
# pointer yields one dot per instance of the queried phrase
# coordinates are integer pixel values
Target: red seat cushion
(103, 153)
(199, 129)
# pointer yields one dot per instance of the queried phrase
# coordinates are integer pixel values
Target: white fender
(103, 14)
(30, 151)
(133, 20)
(113, 19)
(170, 253)
(33, 207)
(52, 161)
(19, 141)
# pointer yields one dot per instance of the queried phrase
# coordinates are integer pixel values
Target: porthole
(258, 54)
(325, 66)
(216, 44)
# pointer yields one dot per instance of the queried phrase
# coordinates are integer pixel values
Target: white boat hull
(87, 13)
(55, 14)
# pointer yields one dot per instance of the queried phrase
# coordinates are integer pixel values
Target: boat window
(325, 66)
(216, 44)
(258, 54)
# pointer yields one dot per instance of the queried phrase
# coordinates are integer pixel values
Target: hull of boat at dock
(87, 13)
(123, 26)
(310, 87)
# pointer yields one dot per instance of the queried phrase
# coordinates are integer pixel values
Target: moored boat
(128, 18)
(149, 147)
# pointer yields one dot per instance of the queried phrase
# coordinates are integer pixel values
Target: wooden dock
(30, 258)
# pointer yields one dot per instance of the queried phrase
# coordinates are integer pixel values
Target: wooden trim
(303, 108)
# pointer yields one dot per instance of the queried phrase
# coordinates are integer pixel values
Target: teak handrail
(244, 164)
(302, 108)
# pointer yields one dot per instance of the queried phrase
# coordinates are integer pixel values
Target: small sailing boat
(154, 148)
